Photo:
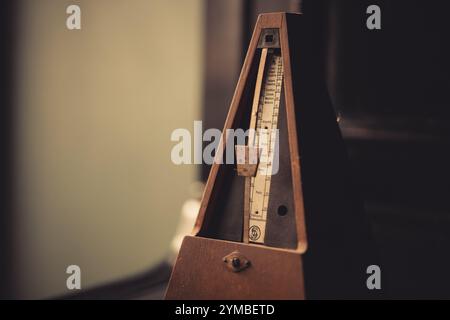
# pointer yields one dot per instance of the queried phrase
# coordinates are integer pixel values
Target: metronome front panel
(225, 221)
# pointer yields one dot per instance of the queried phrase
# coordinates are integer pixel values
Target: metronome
(281, 222)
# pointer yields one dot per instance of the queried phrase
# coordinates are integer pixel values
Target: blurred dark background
(390, 92)
(7, 31)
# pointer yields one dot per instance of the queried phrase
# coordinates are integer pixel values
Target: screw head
(236, 263)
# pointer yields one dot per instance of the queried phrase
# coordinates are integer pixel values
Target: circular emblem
(254, 233)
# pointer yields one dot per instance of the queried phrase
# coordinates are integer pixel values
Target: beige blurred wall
(95, 108)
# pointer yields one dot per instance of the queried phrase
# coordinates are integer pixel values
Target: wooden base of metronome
(260, 273)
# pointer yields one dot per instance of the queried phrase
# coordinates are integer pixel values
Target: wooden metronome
(290, 234)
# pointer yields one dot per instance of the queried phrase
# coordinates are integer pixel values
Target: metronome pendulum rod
(257, 95)
(262, 139)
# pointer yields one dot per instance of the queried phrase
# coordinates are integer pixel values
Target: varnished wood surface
(200, 272)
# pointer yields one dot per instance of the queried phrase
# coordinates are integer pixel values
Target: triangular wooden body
(312, 185)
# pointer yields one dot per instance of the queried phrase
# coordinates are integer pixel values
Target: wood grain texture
(200, 272)
(293, 142)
